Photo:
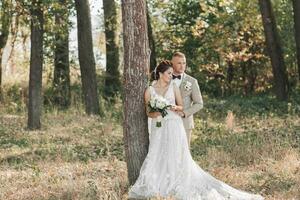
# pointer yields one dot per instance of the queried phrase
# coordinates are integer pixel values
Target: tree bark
(36, 66)
(61, 81)
(296, 9)
(274, 49)
(5, 20)
(86, 57)
(136, 68)
(112, 78)
(1, 94)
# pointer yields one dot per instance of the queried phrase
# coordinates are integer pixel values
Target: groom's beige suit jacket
(192, 100)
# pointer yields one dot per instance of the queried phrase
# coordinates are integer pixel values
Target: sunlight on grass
(75, 156)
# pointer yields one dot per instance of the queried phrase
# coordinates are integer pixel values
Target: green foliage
(223, 41)
(50, 9)
(52, 28)
(14, 98)
(261, 105)
(5, 20)
(112, 78)
(283, 11)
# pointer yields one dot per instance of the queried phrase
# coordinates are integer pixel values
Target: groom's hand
(174, 108)
(180, 113)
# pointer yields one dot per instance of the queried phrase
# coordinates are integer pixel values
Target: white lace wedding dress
(170, 171)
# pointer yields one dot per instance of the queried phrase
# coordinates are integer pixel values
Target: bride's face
(167, 75)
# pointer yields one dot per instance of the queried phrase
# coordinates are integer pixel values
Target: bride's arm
(147, 99)
(178, 99)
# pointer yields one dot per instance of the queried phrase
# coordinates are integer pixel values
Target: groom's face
(179, 65)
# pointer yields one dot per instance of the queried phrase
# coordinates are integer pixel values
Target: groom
(190, 92)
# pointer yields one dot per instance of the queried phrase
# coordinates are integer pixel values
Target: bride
(169, 170)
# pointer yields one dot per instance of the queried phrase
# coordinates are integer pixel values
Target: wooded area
(224, 42)
(243, 54)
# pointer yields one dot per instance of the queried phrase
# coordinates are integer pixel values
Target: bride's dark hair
(161, 67)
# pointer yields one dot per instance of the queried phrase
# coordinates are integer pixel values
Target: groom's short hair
(178, 54)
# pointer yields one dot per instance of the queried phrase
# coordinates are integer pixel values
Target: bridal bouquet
(159, 104)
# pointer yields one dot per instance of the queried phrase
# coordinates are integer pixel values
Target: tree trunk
(36, 66)
(61, 81)
(86, 57)
(112, 79)
(230, 75)
(275, 50)
(5, 20)
(252, 77)
(136, 68)
(296, 8)
(244, 78)
(1, 53)
(151, 43)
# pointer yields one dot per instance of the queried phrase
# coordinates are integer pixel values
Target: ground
(256, 148)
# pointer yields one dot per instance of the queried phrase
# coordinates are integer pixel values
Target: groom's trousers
(188, 136)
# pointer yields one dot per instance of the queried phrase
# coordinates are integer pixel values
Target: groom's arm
(196, 98)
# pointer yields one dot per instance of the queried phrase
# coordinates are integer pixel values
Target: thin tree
(61, 81)
(274, 49)
(86, 57)
(151, 42)
(136, 68)
(112, 78)
(36, 65)
(296, 9)
(5, 20)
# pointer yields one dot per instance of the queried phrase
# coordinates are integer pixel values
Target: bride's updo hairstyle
(161, 67)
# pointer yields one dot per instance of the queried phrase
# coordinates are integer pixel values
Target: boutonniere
(187, 85)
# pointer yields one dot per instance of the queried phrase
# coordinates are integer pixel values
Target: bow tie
(174, 76)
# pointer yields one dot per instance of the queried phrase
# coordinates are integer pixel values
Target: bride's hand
(154, 114)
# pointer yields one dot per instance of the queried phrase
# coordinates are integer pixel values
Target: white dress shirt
(179, 81)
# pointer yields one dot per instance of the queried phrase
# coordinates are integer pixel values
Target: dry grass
(79, 157)
(64, 180)
(259, 154)
(72, 157)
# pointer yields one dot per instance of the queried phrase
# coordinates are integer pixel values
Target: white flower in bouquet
(152, 102)
(159, 104)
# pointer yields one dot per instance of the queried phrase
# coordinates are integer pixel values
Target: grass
(64, 160)
(75, 156)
